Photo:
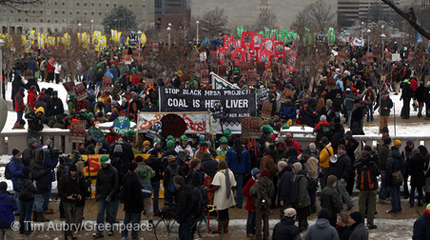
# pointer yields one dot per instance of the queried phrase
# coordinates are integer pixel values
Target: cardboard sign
(253, 79)
(107, 84)
(77, 131)
(266, 111)
(69, 86)
(197, 122)
(80, 91)
(251, 127)
(287, 92)
(121, 125)
(245, 68)
(204, 76)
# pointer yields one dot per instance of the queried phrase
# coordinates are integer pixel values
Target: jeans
(109, 208)
(38, 203)
(185, 229)
(250, 223)
(396, 206)
(156, 192)
(369, 107)
(324, 174)
(134, 218)
(239, 187)
(412, 194)
(427, 110)
(26, 209)
(69, 211)
(18, 202)
(46, 197)
(19, 115)
(383, 192)
(341, 188)
(115, 209)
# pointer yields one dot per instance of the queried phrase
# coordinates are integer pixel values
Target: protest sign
(69, 86)
(81, 93)
(196, 122)
(107, 84)
(266, 111)
(77, 132)
(121, 125)
(96, 134)
(251, 127)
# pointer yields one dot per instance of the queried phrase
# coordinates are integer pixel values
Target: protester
(322, 230)
(286, 197)
(343, 228)
(15, 167)
(395, 163)
(286, 229)
(250, 207)
(262, 191)
(26, 190)
(330, 199)
(421, 230)
(358, 231)
(7, 207)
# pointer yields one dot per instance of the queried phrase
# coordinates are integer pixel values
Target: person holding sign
(184, 146)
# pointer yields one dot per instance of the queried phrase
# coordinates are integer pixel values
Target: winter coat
(294, 144)
(421, 229)
(221, 201)
(348, 102)
(250, 199)
(168, 171)
(337, 104)
(383, 153)
(7, 206)
(328, 112)
(16, 84)
(407, 92)
(185, 209)
(357, 115)
(286, 187)
(288, 110)
(262, 189)
(55, 107)
(286, 230)
(244, 167)
(301, 191)
(330, 200)
(34, 122)
(372, 167)
(26, 184)
(388, 104)
(31, 99)
(322, 230)
(416, 167)
(19, 101)
(15, 167)
(133, 202)
(358, 232)
(344, 232)
(267, 162)
(307, 116)
(313, 165)
(420, 94)
(157, 166)
(394, 163)
(322, 129)
(49, 163)
(325, 155)
(210, 166)
(69, 186)
(107, 182)
(141, 173)
(28, 155)
(369, 95)
(342, 167)
(427, 95)
(39, 174)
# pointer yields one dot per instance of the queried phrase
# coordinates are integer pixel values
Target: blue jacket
(244, 167)
(7, 206)
(49, 164)
(15, 167)
(288, 111)
(114, 73)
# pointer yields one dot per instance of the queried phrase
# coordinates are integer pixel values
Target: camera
(53, 153)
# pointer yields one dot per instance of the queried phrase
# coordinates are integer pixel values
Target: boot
(218, 230)
(41, 218)
(35, 217)
(225, 225)
(420, 203)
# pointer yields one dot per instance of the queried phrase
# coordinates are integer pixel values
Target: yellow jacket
(325, 156)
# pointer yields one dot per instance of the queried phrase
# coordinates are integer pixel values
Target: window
(92, 4)
(143, 5)
(40, 30)
(85, 4)
(63, 3)
(92, 13)
(19, 11)
(71, 12)
(100, 13)
(12, 11)
(48, 3)
(48, 12)
(143, 12)
(55, 3)
(4, 19)
(107, 5)
(78, 4)
(100, 4)
(131, 5)
(41, 11)
(85, 12)
(55, 20)
(19, 19)
(4, 11)
(13, 19)
(63, 12)
(33, 20)
(49, 29)
(114, 4)
(34, 11)
(48, 20)
(55, 12)
(55, 29)
(41, 20)
(26, 19)
(70, 4)
(77, 12)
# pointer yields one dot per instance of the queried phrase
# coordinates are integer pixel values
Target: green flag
(239, 32)
(331, 35)
(266, 33)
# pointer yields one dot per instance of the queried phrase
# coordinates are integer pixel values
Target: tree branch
(410, 17)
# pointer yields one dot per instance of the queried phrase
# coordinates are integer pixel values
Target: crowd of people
(273, 171)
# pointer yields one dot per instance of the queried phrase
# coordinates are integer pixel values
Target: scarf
(227, 184)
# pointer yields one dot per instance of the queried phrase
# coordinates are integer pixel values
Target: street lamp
(368, 39)
(362, 30)
(79, 27)
(139, 34)
(383, 45)
(169, 28)
(197, 22)
(92, 26)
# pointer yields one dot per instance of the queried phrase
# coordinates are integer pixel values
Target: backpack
(366, 181)
(7, 172)
(143, 171)
(312, 183)
(200, 199)
(173, 173)
(146, 189)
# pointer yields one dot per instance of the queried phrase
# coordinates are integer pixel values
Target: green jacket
(145, 173)
(388, 104)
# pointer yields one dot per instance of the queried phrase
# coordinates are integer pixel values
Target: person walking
(26, 190)
(384, 110)
(303, 201)
(185, 210)
(369, 95)
(19, 103)
(340, 167)
(133, 201)
(239, 161)
(145, 173)
(262, 191)
(15, 168)
(250, 207)
(325, 154)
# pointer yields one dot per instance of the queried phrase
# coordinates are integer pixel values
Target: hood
(287, 221)
(423, 150)
(40, 109)
(322, 223)
(396, 154)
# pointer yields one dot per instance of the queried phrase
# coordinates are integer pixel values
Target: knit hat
(265, 173)
(72, 96)
(132, 166)
(104, 159)
(312, 146)
(409, 142)
(323, 118)
(3, 186)
(15, 152)
(254, 172)
(32, 140)
(21, 89)
(298, 167)
(290, 212)
(329, 102)
(324, 213)
(397, 142)
(356, 216)
(170, 143)
(146, 142)
(171, 158)
(73, 168)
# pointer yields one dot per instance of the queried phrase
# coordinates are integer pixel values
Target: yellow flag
(23, 39)
(66, 39)
(32, 35)
(51, 41)
(143, 38)
(40, 41)
(126, 42)
(27, 46)
(103, 41)
(96, 34)
(119, 37)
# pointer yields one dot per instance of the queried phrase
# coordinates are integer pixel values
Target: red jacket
(19, 102)
(414, 84)
(295, 144)
(31, 99)
(249, 202)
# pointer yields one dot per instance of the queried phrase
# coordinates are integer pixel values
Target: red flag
(247, 40)
(279, 50)
(227, 40)
(265, 56)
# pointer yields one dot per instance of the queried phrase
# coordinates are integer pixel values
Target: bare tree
(265, 19)
(22, 5)
(317, 16)
(213, 22)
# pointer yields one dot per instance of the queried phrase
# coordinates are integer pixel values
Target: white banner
(197, 122)
(358, 42)
(220, 83)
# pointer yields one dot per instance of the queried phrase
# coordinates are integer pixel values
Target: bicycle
(167, 228)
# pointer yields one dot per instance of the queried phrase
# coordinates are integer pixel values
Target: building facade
(57, 15)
